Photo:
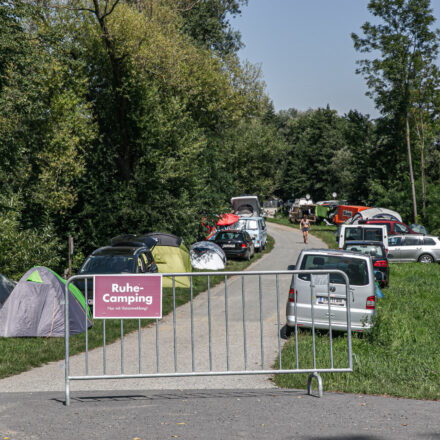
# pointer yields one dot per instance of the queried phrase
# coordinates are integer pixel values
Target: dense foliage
(129, 116)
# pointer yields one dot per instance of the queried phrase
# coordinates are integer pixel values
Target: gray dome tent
(36, 307)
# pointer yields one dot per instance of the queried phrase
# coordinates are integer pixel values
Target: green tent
(322, 211)
(171, 256)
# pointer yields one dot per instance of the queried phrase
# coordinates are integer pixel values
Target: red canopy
(227, 219)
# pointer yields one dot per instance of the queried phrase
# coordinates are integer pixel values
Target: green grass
(324, 232)
(22, 354)
(400, 356)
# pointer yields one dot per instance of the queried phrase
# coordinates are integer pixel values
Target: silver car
(411, 247)
(359, 269)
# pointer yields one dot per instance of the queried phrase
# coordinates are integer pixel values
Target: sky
(306, 52)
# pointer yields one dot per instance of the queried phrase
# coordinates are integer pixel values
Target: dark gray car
(408, 248)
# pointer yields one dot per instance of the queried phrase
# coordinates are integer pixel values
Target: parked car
(122, 257)
(394, 227)
(236, 243)
(374, 214)
(246, 205)
(360, 272)
(256, 228)
(376, 250)
(348, 233)
(407, 248)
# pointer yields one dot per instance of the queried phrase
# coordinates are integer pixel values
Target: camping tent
(207, 255)
(35, 307)
(171, 256)
(6, 287)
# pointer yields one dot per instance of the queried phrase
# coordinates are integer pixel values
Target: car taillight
(371, 303)
(243, 245)
(291, 296)
(380, 263)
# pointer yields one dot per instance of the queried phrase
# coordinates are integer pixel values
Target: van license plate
(334, 301)
(229, 245)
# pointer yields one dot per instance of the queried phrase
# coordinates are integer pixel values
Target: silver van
(359, 269)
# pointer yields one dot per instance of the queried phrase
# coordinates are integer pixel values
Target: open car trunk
(248, 206)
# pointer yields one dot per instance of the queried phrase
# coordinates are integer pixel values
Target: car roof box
(133, 240)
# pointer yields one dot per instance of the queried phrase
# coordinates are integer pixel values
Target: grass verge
(22, 354)
(324, 232)
(400, 356)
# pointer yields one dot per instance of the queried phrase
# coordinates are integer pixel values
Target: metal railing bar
(209, 324)
(192, 324)
(140, 345)
(122, 346)
(348, 308)
(312, 311)
(174, 323)
(278, 321)
(87, 328)
(104, 358)
(227, 323)
(66, 342)
(330, 323)
(157, 346)
(260, 296)
(243, 302)
(295, 297)
(213, 373)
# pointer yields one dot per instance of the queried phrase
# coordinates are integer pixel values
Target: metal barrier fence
(245, 305)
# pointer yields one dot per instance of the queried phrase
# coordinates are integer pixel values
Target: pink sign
(127, 296)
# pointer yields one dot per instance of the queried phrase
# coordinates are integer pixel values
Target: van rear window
(359, 233)
(355, 268)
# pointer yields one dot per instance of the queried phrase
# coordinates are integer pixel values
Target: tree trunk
(422, 169)
(411, 174)
(124, 152)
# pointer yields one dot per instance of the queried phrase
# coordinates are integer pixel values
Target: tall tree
(207, 22)
(406, 45)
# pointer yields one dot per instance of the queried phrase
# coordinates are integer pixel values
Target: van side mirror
(291, 267)
(390, 256)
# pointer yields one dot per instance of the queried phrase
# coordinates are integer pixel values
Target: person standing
(304, 225)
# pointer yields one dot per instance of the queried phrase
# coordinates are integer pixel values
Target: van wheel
(426, 258)
(285, 332)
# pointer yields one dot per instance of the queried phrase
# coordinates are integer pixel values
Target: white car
(362, 233)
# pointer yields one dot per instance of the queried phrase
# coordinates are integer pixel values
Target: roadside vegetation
(21, 354)
(399, 357)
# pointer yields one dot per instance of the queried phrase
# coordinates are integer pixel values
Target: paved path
(216, 414)
(288, 244)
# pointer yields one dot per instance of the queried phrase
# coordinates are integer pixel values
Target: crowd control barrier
(233, 327)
